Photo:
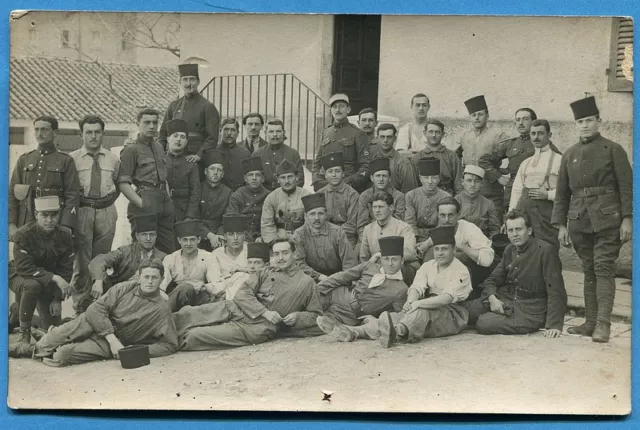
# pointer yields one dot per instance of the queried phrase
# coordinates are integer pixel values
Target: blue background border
(266, 421)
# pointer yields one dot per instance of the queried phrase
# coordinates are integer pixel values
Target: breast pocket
(28, 174)
(54, 177)
(106, 179)
(146, 169)
(349, 150)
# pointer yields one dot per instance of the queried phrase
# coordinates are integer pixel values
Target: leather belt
(520, 293)
(101, 203)
(593, 191)
(160, 187)
(43, 192)
(179, 193)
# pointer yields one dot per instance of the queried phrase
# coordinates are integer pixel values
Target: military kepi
(584, 108)
(429, 167)
(442, 236)
(251, 164)
(259, 250)
(339, 97)
(378, 164)
(333, 159)
(145, 223)
(233, 223)
(475, 104)
(391, 245)
(214, 157)
(474, 170)
(190, 227)
(47, 204)
(134, 356)
(177, 126)
(313, 201)
(188, 70)
(285, 167)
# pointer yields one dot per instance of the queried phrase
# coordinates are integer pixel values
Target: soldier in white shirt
(534, 187)
(410, 136)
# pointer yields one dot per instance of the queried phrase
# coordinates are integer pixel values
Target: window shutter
(621, 41)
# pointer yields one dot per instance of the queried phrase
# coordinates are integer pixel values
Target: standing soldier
(143, 164)
(234, 177)
(341, 199)
(214, 199)
(43, 172)
(276, 151)
(476, 208)
(98, 170)
(367, 121)
(183, 178)
(595, 192)
(253, 123)
(201, 115)
(403, 177)
(344, 137)
(248, 199)
(481, 140)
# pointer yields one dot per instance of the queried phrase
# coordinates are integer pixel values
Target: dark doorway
(356, 59)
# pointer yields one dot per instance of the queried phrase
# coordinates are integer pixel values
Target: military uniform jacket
(271, 156)
(39, 256)
(143, 163)
(233, 171)
(213, 204)
(595, 186)
(343, 210)
(249, 203)
(123, 262)
(250, 146)
(354, 144)
(366, 200)
(202, 118)
(422, 211)
(403, 176)
(481, 211)
(450, 167)
(282, 213)
(44, 172)
(184, 184)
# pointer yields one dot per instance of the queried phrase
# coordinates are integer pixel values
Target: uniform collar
(172, 155)
(144, 140)
(229, 146)
(339, 189)
(155, 297)
(590, 139)
(524, 137)
(429, 148)
(340, 124)
(324, 230)
(391, 154)
(525, 247)
(83, 151)
(47, 148)
(291, 271)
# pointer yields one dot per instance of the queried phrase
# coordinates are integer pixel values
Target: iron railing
(304, 113)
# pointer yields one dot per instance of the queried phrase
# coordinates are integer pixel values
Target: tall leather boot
(590, 308)
(606, 292)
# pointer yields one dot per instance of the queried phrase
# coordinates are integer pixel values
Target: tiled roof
(70, 89)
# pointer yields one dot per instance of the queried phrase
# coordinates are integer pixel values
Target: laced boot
(602, 332)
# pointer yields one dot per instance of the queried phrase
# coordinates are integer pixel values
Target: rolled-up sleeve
(128, 158)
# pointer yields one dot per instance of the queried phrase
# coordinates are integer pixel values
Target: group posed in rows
(402, 238)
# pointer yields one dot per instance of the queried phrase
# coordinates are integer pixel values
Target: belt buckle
(38, 192)
(171, 192)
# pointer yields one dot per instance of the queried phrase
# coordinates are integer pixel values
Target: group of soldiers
(402, 238)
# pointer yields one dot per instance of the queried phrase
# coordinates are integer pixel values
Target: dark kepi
(475, 104)
(429, 167)
(391, 245)
(190, 227)
(134, 356)
(188, 70)
(443, 236)
(252, 164)
(177, 126)
(214, 157)
(233, 223)
(499, 242)
(259, 250)
(145, 223)
(379, 164)
(285, 167)
(584, 107)
(313, 201)
(333, 159)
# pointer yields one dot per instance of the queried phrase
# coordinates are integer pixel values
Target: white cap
(474, 170)
(47, 204)
(339, 97)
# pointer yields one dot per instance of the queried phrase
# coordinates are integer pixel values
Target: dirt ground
(464, 373)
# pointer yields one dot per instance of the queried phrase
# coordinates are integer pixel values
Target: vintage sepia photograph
(334, 213)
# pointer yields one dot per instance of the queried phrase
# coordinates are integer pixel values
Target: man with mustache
(143, 165)
(595, 194)
(200, 114)
(480, 140)
(534, 186)
(234, 177)
(403, 176)
(98, 169)
(283, 211)
(380, 170)
(276, 151)
(322, 248)
(410, 136)
(367, 121)
(253, 123)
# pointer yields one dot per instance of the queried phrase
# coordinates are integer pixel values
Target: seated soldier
(526, 290)
(279, 298)
(322, 248)
(380, 169)
(124, 261)
(386, 225)
(475, 207)
(432, 308)
(128, 314)
(183, 178)
(185, 271)
(41, 270)
(213, 199)
(473, 248)
(422, 209)
(369, 288)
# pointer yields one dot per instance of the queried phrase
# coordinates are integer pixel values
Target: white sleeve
(477, 240)
(420, 281)
(516, 191)
(458, 284)
(402, 142)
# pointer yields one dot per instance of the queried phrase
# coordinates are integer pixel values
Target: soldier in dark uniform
(43, 172)
(214, 199)
(248, 199)
(143, 165)
(344, 137)
(515, 149)
(368, 121)
(595, 193)
(183, 178)
(42, 268)
(233, 176)
(201, 115)
(253, 123)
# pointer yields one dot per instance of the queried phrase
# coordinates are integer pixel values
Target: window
(65, 38)
(621, 55)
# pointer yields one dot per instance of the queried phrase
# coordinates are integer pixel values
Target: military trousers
(31, 295)
(540, 213)
(183, 294)
(157, 201)
(521, 316)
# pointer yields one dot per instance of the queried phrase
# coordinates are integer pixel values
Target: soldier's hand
(407, 306)
(539, 194)
(503, 228)
(563, 236)
(55, 308)
(375, 257)
(290, 319)
(272, 316)
(164, 296)
(97, 289)
(625, 229)
(12, 230)
(552, 333)
(115, 346)
(192, 158)
(322, 278)
(496, 305)
(503, 180)
(63, 285)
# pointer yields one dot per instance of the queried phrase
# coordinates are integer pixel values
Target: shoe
(38, 334)
(585, 329)
(21, 350)
(343, 334)
(388, 334)
(326, 324)
(602, 332)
